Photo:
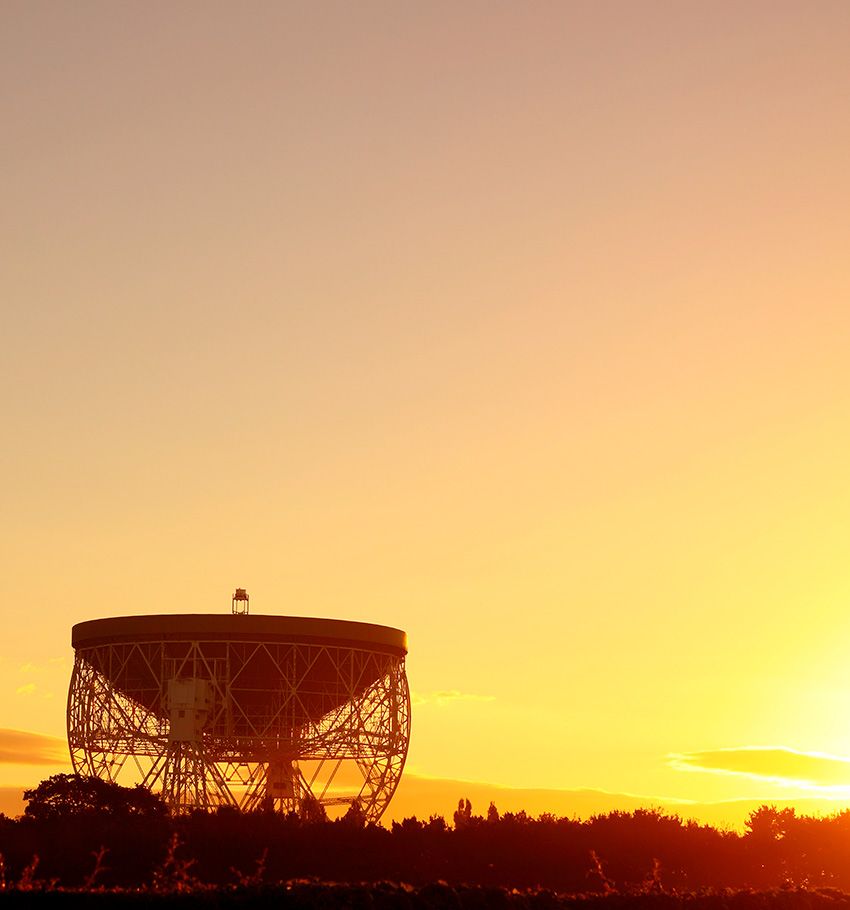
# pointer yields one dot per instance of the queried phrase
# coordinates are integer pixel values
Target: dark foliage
(117, 843)
(72, 796)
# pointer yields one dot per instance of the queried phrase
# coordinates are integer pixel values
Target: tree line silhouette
(83, 832)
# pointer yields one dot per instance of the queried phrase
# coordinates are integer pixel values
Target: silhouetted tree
(312, 810)
(767, 823)
(355, 817)
(71, 795)
(463, 813)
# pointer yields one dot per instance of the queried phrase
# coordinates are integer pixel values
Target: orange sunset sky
(523, 327)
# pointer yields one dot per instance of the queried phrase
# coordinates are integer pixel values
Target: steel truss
(285, 726)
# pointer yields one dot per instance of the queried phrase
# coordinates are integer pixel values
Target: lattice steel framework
(274, 725)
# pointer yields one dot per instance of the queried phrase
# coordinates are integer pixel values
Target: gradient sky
(522, 327)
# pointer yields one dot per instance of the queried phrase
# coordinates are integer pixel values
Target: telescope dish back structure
(274, 712)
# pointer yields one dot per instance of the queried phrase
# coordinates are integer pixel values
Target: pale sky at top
(522, 327)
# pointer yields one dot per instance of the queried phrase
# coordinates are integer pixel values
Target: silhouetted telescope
(252, 711)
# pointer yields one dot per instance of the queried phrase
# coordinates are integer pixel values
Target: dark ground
(435, 896)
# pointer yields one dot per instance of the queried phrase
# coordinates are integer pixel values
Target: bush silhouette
(82, 830)
(72, 795)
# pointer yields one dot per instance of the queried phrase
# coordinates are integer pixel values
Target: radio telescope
(256, 712)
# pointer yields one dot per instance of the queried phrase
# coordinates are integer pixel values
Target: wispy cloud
(815, 770)
(18, 747)
(51, 664)
(40, 678)
(447, 696)
(29, 689)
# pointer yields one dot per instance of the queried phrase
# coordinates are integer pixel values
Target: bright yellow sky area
(522, 327)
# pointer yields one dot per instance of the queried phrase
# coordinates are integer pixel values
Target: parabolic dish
(247, 710)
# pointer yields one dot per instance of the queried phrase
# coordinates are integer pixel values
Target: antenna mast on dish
(240, 602)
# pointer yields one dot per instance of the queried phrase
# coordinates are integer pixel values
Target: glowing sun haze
(521, 327)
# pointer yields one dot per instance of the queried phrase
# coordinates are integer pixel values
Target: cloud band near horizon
(17, 747)
(769, 763)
